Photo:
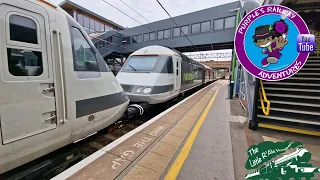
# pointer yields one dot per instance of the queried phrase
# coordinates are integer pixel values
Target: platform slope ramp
(294, 102)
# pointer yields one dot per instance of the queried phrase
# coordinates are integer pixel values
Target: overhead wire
(135, 11)
(137, 21)
(195, 48)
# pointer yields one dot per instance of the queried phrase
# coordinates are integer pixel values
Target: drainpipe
(234, 59)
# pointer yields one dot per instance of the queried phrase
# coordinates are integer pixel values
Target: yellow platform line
(182, 156)
(294, 130)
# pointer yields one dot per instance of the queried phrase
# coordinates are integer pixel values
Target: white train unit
(55, 88)
(156, 74)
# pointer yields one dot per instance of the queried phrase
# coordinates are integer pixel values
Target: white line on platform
(75, 168)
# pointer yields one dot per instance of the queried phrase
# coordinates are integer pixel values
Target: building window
(195, 28)
(176, 32)
(230, 22)
(80, 19)
(101, 27)
(160, 35)
(152, 36)
(146, 37)
(205, 26)
(86, 22)
(107, 28)
(126, 40)
(97, 26)
(134, 39)
(185, 29)
(92, 24)
(23, 29)
(137, 38)
(167, 33)
(87, 30)
(218, 24)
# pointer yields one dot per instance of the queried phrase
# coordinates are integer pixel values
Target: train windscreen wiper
(132, 67)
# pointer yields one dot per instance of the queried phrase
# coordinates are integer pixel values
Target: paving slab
(140, 172)
(179, 111)
(155, 162)
(173, 140)
(101, 169)
(165, 149)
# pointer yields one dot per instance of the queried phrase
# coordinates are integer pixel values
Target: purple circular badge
(270, 42)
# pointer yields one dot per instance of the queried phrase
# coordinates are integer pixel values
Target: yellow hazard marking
(299, 131)
(177, 164)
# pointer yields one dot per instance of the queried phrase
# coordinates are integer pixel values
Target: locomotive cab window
(140, 63)
(168, 68)
(23, 29)
(84, 56)
(25, 61)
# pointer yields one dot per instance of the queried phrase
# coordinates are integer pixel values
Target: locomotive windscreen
(140, 63)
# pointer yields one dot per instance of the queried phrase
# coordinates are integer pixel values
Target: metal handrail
(263, 98)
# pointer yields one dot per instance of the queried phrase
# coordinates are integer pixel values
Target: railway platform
(201, 137)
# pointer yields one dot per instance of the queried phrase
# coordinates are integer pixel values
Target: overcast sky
(150, 9)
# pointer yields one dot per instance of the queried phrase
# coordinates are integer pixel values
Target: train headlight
(139, 90)
(147, 90)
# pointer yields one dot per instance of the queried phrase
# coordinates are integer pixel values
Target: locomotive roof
(155, 49)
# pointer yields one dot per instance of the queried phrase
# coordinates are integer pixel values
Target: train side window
(26, 61)
(84, 56)
(23, 29)
(170, 65)
(177, 68)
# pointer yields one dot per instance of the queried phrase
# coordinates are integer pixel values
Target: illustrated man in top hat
(265, 38)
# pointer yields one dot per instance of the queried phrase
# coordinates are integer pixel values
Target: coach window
(24, 62)
(218, 24)
(195, 28)
(230, 22)
(84, 56)
(205, 26)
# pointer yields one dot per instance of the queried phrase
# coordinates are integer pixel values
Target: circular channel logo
(270, 42)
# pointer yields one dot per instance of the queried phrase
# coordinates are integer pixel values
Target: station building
(90, 21)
